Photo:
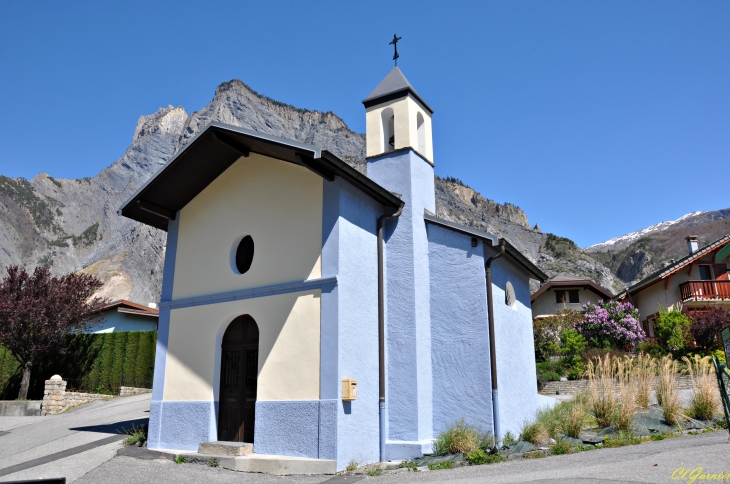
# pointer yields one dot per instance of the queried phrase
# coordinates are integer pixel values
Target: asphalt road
(33, 438)
(70, 444)
(648, 462)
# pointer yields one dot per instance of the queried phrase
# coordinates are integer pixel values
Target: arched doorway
(239, 371)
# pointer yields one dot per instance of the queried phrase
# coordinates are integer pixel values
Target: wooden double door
(239, 371)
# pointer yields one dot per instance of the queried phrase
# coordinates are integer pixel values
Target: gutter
(381, 329)
(492, 345)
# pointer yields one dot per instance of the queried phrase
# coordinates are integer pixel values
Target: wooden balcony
(705, 290)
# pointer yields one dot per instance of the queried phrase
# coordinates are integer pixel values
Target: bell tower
(397, 118)
(400, 159)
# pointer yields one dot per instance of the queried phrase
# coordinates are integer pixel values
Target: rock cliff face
(72, 225)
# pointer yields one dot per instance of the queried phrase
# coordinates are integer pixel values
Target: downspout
(381, 329)
(492, 345)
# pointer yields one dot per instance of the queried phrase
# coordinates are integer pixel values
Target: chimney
(693, 244)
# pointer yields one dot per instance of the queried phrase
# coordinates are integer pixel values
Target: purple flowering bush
(611, 324)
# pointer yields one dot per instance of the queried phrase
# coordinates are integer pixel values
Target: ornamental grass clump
(534, 432)
(461, 437)
(645, 367)
(666, 392)
(627, 384)
(704, 402)
(603, 401)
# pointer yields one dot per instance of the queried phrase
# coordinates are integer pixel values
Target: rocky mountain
(72, 225)
(636, 255)
(693, 219)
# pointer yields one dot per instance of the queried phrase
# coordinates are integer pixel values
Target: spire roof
(393, 86)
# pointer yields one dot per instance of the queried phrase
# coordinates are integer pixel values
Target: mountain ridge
(71, 225)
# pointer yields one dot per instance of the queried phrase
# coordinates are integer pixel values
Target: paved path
(70, 444)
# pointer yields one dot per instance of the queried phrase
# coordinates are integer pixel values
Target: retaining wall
(56, 399)
(572, 387)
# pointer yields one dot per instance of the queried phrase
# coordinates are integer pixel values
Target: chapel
(319, 312)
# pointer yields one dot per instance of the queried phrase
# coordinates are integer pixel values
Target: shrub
(551, 376)
(461, 437)
(654, 350)
(611, 324)
(707, 324)
(703, 404)
(672, 330)
(179, 460)
(351, 466)
(548, 334)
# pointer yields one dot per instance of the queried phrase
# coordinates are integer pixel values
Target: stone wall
(572, 387)
(56, 399)
(129, 391)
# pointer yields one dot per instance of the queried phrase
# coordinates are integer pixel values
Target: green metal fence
(723, 381)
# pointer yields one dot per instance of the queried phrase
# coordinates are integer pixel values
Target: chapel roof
(393, 86)
(215, 149)
(493, 241)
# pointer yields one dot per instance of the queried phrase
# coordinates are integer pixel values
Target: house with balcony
(566, 291)
(698, 280)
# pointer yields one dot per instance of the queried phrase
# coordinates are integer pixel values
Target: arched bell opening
(239, 374)
(388, 129)
(421, 130)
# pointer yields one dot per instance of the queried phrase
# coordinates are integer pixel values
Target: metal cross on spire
(394, 43)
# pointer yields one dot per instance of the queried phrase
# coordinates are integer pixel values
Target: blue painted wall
(409, 379)
(459, 331)
(350, 319)
(115, 322)
(516, 376)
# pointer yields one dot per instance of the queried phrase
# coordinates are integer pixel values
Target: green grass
(561, 447)
(179, 460)
(136, 435)
(621, 440)
(441, 465)
(213, 462)
(409, 465)
(479, 457)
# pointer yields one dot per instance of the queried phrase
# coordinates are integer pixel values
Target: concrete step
(279, 465)
(225, 448)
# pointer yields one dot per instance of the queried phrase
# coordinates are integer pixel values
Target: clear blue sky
(597, 118)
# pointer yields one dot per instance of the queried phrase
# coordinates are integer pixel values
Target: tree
(40, 312)
(611, 324)
(707, 323)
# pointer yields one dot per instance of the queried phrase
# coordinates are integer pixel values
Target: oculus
(244, 255)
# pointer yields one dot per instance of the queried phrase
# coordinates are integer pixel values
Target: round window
(244, 254)
(509, 294)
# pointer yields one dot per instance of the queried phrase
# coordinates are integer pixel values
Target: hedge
(102, 357)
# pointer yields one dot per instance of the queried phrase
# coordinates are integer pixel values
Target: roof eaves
(492, 239)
